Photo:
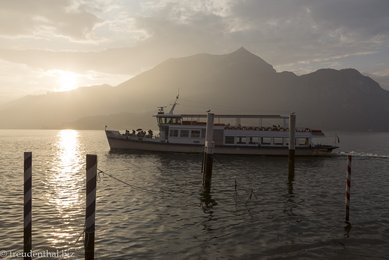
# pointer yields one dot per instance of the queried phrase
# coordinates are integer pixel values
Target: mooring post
(208, 154)
(292, 144)
(91, 172)
(348, 186)
(27, 239)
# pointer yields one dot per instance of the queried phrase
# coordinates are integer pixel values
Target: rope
(234, 190)
(140, 188)
(78, 238)
(126, 183)
(207, 206)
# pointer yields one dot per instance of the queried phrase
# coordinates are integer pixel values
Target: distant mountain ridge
(238, 82)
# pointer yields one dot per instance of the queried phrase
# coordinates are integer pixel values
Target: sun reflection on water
(68, 170)
(65, 185)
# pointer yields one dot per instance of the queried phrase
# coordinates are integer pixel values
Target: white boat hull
(142, 144)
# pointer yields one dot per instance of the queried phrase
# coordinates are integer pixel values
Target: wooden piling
(208, 154)
(27, 238)
(348, 186)
(292, 144)
(91, 172)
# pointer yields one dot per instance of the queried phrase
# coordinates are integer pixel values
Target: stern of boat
(323, 149)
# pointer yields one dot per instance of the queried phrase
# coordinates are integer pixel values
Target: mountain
(238, 82)
(383, 80)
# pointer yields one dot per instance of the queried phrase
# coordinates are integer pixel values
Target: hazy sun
(67, 80)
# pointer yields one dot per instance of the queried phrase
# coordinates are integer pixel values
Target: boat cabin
(190, 129)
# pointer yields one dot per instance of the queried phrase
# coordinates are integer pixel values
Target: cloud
(281, 32)
(40, 80)
(44, 17)
(367, 18)
(11, 85)
(305, 66)
(302, 29)
(127, 37)
(147, 32)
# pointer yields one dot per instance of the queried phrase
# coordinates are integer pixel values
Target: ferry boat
(185, 133)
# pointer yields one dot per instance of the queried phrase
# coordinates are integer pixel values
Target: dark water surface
(163, 214)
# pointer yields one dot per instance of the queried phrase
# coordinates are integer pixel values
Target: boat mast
(175, 104)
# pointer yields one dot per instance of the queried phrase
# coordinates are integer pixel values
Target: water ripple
(267, 216)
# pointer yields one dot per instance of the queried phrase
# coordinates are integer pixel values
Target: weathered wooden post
(27, 239)
(292, 144)
(348, 186)
(208, 154)
(91, 172)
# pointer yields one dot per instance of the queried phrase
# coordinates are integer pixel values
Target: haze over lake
(237, 82)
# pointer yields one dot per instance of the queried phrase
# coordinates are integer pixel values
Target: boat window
(266, 140)
(173, 133)
(302, 141)
(278, 140)
(253, 140)
(184, 133)
(195, 134)
(229, 140)
(241, 140)
(172, 120)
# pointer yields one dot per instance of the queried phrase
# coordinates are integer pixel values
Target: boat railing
(270, 128)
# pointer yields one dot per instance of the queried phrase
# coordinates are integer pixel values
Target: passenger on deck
(140, 133)
(150, 132)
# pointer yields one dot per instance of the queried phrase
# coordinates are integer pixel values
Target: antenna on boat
(175, 103)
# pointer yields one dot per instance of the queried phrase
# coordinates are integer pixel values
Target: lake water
(162, 213)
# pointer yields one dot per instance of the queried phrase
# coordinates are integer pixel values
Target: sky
(48, 45)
